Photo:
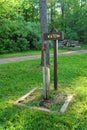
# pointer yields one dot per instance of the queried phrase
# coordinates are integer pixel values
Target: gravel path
(23, 58)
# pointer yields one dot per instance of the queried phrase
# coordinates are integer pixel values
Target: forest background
(20, 28)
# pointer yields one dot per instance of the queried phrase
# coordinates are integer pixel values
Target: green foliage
(18, 35)
(30, 10)
(20, 28)
(13, 37)
(71, 34)
(69, 16)
(33, 30)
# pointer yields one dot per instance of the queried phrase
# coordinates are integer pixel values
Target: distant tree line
(20, 22)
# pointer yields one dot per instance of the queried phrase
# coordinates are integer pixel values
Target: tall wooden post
(55, 42)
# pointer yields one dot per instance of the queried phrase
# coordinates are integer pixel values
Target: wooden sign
(54, 36)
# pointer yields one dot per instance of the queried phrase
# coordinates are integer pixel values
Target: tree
(44, 27)
(30, 10)
(17, 30)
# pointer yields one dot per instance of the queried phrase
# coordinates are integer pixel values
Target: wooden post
(55, 42)
(46, 74)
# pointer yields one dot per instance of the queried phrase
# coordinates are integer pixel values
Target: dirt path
(23, 58)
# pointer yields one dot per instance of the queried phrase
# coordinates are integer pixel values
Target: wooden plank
(25, 96)
(65, 105)
(35, 108)
(46, 82)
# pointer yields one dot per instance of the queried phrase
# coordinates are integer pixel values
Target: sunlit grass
(16, 79)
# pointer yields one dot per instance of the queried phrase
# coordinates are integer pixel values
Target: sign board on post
(55, 36)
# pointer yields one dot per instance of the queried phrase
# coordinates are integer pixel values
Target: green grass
(16, 79)
(27, 53)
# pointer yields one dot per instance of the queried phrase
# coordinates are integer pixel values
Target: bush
(71, 34)
(11, 32)
(22, 44)
(18, 35)
(34, 35)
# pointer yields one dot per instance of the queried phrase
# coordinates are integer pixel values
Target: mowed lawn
(17, 79)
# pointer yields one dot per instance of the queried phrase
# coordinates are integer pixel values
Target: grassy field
(36, 52)
(16, 79)
(26, 53)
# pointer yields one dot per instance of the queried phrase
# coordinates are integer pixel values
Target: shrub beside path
(23, 58)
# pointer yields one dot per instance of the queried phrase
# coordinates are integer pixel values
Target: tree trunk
(44, 28)
(52, 16)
